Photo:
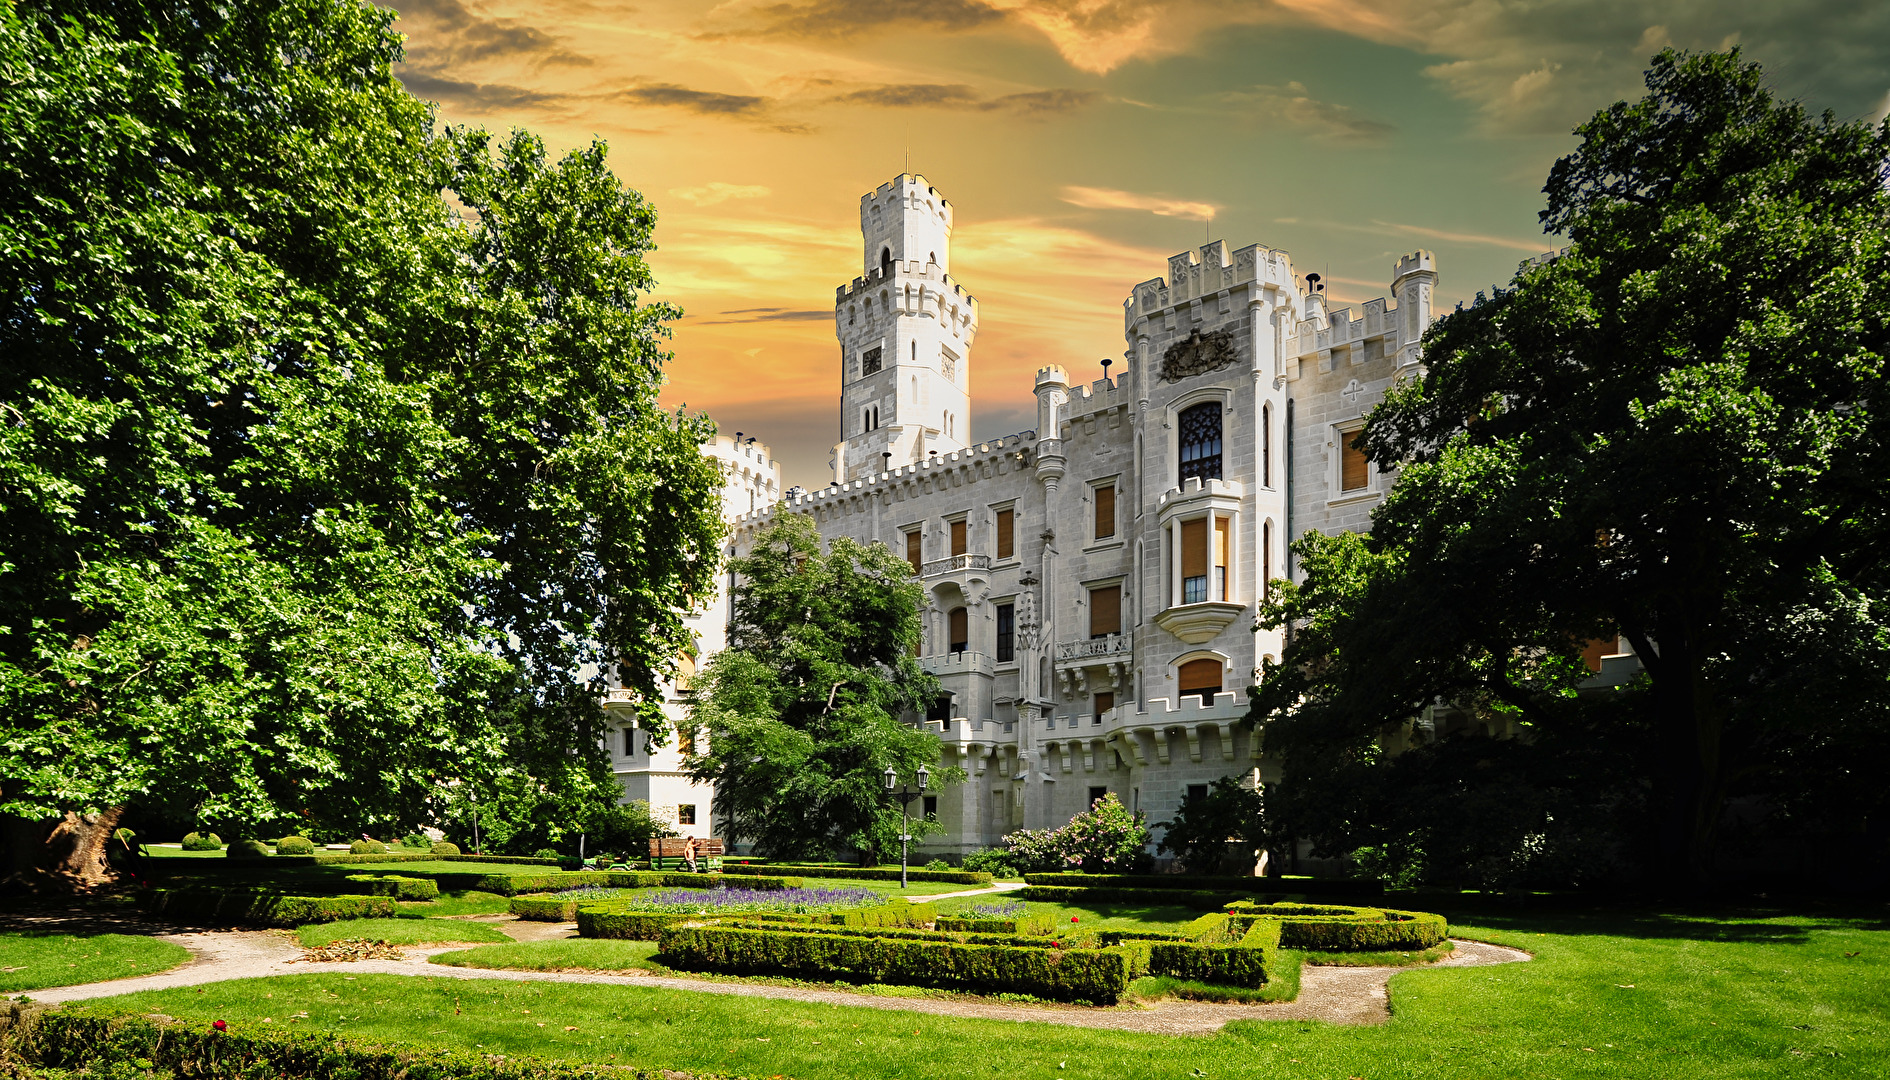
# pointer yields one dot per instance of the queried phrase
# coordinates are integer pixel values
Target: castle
(1091, 585)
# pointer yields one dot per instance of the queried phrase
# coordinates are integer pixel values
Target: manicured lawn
(399, 932)
(36, 961)
(173, 851)
(1097, 917)
(890, 888)
(560, 955)
(1742, 994)
(434, 866)
(463, 902)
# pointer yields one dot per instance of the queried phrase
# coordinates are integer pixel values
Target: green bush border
(1078, 896)
(514, 884)
(400, 888)
(263, 907)
(880, 873)
(1331, 928)
(615, 919)
(1026, 925)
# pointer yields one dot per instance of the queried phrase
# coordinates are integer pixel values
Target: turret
(1412, 284)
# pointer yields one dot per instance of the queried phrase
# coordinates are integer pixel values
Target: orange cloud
(1091, 198)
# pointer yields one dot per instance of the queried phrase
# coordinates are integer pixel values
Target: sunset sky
(1082, 142)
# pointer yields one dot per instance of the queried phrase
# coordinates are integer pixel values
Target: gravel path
(1341, 995)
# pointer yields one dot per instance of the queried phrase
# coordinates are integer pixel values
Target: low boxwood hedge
(1345, 929)
(1027, 924)
(617, 918)
(879, 873)
(400, 888)
(108, 1045)
(1096, 975)
(1077, 896)
(514, 884)
(1190, 883)
(604, 921)
(295, 845)
(263, 907)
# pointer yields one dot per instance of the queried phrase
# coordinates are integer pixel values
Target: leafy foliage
(803, 710)
(1200, 830)
(1106, 838)
(333, 471)
(1674, 432)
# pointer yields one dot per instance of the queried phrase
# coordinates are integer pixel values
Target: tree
(1674, 432)
(327, 431)
(1202, 828)
(803, 710)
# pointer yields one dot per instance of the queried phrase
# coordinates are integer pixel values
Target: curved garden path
(1342, 995)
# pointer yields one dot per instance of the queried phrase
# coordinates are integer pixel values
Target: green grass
(1156, 987)
(1617, 995)
(160, 851)
(1384, 958)
(1098, 917)
(399, 932)
(888, 888)
(463, 902)
(36, 961)
(431, 866)
(561, 955)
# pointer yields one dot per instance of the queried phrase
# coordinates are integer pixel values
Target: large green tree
(805, 709)
(327, 433)
(1675, 431)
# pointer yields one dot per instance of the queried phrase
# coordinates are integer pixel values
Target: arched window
(1200, 678)
(885, 260)
(1200, 441)
(960, 630)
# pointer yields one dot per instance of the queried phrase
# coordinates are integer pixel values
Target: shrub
(1346, 929)
(547, 853)
(263, 907)
(202, 842)
(1096, 975)
(248, 849)
(367, 847)
(1029, 925)
(1106, 837)
(994, 861)
(415, 840)
(855, 873)
(1200, 830)
(295, 845)
(400, 888)
(605, 921)
(445, 848)
(1223, 965)
(938, 864)
(514, 884)
(1304, 886)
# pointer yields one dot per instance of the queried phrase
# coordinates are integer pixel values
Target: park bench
(668, 854)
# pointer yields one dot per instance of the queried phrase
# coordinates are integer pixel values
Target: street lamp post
(905, 796)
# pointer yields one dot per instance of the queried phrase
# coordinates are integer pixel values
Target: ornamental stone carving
(1200, 354)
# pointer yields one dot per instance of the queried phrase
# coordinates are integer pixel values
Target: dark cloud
(749, 107)
(446, 32)
(752, 315)
(479, 97)
(1294, 106)
(1039, 102)
(960, 96)
(844, 18)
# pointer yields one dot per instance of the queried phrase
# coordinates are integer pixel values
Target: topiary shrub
(248, 849)
(546, 853)
(202, 842)
(938, 864)
(367, 847)
(445, 848)
(415, 840)
(295, 845)
(994, 861)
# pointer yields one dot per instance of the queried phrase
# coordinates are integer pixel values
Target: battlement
(902, 272)
(1099, 396)
(906, 184)
(1207, 270)
(1194, 487)
(970, 457)
(1417, 262)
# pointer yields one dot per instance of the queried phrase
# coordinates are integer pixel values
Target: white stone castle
(1091, 585)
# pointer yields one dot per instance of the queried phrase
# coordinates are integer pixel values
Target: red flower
(1072, 918)
(221, 1026)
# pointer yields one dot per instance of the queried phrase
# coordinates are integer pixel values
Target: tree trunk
(64, 854)
(1689, 774)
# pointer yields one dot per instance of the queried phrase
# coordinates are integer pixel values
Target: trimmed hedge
(1341, 929)
(247, 849)
(1027, 925)
(1057, 894)
(201, 842)
(897, 913)
(601, 921)
(1096, 975)
(107, 1044)
(1186, 882)
(349, 857)
(295, 845)
(367, 847)
(514, 884)
(263, 907)
(545, 908)
(444, 847)
(880, 873)
(615, 918)
(400, 888)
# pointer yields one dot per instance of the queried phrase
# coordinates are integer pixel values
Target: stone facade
(1091, 585)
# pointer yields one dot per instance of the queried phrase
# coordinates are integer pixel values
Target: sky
(1081, 143)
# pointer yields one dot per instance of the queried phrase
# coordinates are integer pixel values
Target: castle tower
(905, 330)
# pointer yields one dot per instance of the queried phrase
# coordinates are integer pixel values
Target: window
(958, 536)
(1105, 611)
(1006, 524)
(940, 708)
(931, 806)
(1104, 702)
(1105, 511)
(1266, 559)
(1353, 468)
(629, 742)
(1200, 441)
(686, 814)
(914, 550)
(1223, 545)
(1266, 446)
(870, 362)
(1097, 794)
(961, 630)
(1194, 582)
(1201, 678)
(1197, 793)
(1006, 633)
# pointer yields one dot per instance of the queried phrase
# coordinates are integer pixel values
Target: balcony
(1199, 622)
(1110, 657)
(955, 564)
(1096, 650)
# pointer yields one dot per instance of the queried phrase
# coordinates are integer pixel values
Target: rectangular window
(1105, 611)
(629, 742)
(1197, 793)
(1266, 445)
(1006, 520)
(1266, 560)
(931, 806)
(1096, 794)
(1104, 702)
(1223, 545)
(1194, 561)
(1105, 512)
(958, 537)
(686, 814)
(1353, 468)
(961, 630)
(914, 552)
(869, 362)
(1006, 633)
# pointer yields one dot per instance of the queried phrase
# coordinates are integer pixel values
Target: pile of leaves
(349, 950)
